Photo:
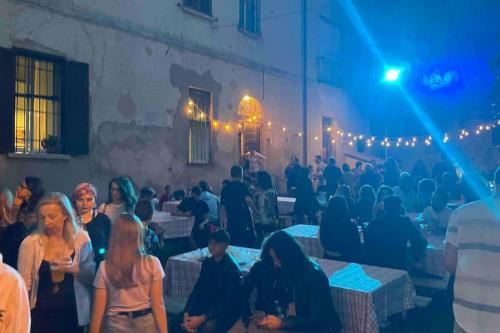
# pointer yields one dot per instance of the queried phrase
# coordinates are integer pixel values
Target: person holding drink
(57, 265)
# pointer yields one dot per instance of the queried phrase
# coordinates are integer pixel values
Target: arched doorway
(250, 129)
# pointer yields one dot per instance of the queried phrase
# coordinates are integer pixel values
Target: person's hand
(192, 323)
(186, 323)
(22, 194)
(67, 266)
(271, 322)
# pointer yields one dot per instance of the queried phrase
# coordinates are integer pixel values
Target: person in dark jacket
(28, 194)
(213, 305)
(144, 211)
(386, 239)
(98, 225)
(293, 293)
(306, 202)
(333, 176)
(338, 234)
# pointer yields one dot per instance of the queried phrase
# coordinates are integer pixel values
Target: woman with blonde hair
(129, 284)
(56, 262)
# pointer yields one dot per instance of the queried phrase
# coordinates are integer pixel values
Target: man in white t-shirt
(473, 254)
(14, 303)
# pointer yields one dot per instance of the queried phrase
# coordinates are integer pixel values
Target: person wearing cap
(213, 305)
(98, 225)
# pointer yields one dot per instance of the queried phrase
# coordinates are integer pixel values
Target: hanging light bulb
(269, 124)
(316, 138)
(300, 134)
(333, 140)
(350, 143)
(284, 129)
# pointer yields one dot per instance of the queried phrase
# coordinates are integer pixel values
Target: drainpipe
(304, 81)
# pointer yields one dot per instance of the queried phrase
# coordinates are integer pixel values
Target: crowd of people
(88, 266)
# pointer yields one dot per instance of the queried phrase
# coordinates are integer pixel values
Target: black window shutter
(7, 101)
(75, 108)
(241, 22)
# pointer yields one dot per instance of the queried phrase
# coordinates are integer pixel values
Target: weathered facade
(144, 56)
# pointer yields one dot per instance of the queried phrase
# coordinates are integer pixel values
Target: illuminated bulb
(254, 117)
(355, 138)
(333, 140)
(284, 129)
(461, 136)
(373, 138)
(399, 139)
(341, 133)
(329, 129)
(269, 124)
(350, 143)
(429, 138)
(498, 122)
(338, 132)
(397, 144)
(466, 133)
(413, 144)
(190, 111)
(349, 134)
(202, 116)
(481, 128)
(382, 143)
(487, 128)
(249, 120)
(300, 134)
(477, 132)
(407, 143)
(191, 103)
(386, 139)
(246, 98)
(361, 137)
(388, 144)
(316, 138)
(239, 126)
(227, 127)
(369, 144)
(216, 123)
(414, 139)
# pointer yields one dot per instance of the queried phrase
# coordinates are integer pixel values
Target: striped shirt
(475, 230)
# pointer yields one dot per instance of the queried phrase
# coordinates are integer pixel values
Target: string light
(316, 138)
(329, 129)
(350, 143)
(269, 124)
(333, 140)
(227, 127)
(300, 134)
(284, 129)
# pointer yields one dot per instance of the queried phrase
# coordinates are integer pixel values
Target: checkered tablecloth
(168, 227)
(364, 296)
(170, 206)
(285, 205)
(432, 263)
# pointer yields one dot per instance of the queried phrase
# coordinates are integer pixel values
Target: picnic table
(432, 263)
(364, 296)
(167, 226)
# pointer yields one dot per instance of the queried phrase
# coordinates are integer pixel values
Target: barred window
(200, 106)
(250, 16)
(202, 6)
(37, 102)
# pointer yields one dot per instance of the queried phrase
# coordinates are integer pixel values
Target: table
(168, 227)
(432, 263)
(170, 206)
(364, 296)
(285, 205)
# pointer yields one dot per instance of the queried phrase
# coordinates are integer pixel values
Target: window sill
(250, 34)
(40, 156)
(196, 13)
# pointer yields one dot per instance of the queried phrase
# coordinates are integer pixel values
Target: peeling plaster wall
(139, 86)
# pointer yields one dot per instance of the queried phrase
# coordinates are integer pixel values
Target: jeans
(115, 323)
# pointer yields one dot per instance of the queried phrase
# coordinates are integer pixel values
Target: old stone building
(177, 90)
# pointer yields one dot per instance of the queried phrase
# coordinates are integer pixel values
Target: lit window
(199, 113)
(37, 102)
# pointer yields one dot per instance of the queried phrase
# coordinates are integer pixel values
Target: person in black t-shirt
(194, 206)
(333, 176)
(236, 217)
(144, 211)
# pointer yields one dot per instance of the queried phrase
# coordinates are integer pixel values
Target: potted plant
(51, 144)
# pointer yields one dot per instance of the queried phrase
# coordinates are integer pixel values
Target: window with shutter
(199, 110)
(43, 98)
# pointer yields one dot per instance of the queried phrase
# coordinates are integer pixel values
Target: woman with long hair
(57, 264)
(266, 204)
(365, 206)
(338, 234)
(383, 192)
(98, 225)
(23, 217)
(300, 298)
(129, 284)
(121, 198)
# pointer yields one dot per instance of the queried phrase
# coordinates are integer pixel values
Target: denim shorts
(115, 323)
